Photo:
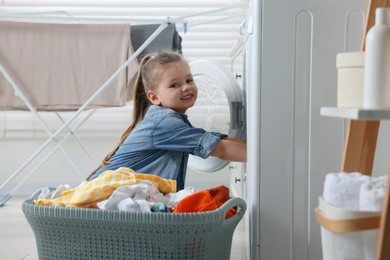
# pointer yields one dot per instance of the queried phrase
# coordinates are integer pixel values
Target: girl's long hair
(146, 80)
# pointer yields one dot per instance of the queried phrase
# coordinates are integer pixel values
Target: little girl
(160, 137)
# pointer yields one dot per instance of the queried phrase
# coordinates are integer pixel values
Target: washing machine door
(219, 108)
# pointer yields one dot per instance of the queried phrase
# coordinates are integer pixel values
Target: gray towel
(168, 40)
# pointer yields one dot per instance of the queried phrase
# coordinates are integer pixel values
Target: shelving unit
(356, 113)
(361, 139)
(363, 117)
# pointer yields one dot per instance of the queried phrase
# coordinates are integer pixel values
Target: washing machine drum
(219, 108)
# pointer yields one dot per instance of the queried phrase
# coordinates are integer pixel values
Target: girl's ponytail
(141, 101)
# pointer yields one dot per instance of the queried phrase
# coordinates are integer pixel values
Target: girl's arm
(230, 149)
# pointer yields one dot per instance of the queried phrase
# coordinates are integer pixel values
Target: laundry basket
(81, 233)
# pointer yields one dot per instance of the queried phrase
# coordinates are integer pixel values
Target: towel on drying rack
(60, 66)
(168, 40)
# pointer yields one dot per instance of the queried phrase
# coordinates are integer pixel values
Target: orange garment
(205, 200)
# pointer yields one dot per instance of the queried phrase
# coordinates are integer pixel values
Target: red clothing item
(205, 200)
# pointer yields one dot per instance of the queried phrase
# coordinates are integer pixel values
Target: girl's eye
(189, 81)
(174, 85)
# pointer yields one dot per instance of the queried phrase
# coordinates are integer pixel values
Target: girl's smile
(187, 96)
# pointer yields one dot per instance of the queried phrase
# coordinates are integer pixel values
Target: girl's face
(176, 88)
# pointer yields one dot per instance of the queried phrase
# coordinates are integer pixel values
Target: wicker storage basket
(79, 233)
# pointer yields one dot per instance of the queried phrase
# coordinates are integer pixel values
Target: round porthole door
(219, 108)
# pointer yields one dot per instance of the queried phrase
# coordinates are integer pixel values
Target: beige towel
(60, 66)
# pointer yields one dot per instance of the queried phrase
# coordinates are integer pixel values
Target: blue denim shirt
(161, 143)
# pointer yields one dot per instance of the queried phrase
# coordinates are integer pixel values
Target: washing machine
(220, 107)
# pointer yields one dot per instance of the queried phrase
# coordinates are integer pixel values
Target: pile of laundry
(126, 190)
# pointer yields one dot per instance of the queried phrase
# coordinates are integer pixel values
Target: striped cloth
(90, 193)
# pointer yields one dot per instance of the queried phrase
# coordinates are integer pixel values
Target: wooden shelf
(355, 113)
(361, 139)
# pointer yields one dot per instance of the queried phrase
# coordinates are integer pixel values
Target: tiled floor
(17, 239)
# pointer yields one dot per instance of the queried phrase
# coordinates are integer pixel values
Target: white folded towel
(372, 193)
(342, 189)
(354, 191)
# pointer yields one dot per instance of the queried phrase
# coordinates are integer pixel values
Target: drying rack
(65, 17)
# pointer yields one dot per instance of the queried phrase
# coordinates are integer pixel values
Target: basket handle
(231, 203)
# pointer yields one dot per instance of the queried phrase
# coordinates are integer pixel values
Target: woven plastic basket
(78, 233)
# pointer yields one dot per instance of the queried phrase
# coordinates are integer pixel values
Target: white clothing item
(131, 205)
(137, 196)
(47, 194)
(58, 191)
(127, 197)
(342, 189)
(174, 198)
